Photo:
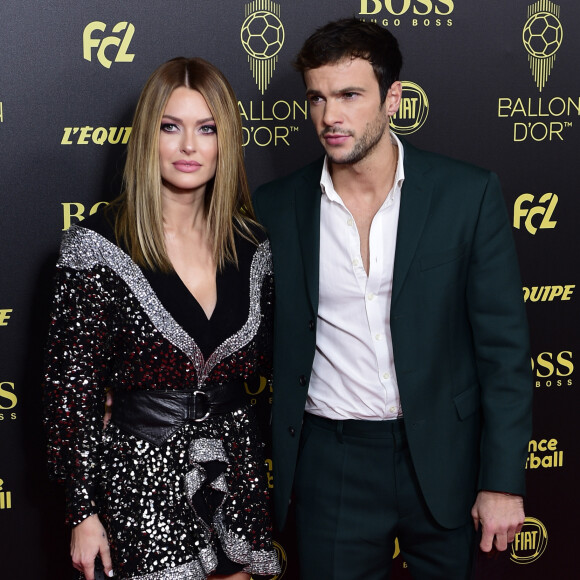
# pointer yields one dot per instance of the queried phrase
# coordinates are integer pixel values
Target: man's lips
(335, 138)
(187, 166)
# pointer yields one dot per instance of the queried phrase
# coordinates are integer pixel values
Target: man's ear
(393, 98)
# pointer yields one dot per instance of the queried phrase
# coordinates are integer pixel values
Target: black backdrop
(492, 82)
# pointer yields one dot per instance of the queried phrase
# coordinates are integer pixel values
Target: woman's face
(188, 147)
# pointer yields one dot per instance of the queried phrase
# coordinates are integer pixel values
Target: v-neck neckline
(172, 308)
(196, 301)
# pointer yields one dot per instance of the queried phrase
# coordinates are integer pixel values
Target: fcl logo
(90, 43)
(521, 212)
(542, 37)
(262, 37)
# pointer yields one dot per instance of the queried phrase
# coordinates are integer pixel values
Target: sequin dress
(174, 510)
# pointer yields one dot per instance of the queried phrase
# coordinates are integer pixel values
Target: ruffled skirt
(175, 511)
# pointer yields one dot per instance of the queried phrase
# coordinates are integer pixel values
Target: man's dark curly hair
(350, 38)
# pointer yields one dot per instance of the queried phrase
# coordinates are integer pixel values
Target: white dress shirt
(353, 374)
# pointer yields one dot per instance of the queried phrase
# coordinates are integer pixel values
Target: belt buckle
(208, 412)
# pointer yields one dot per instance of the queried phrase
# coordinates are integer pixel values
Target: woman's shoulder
(258, 232)
(102, 223)
(251, 242)
(88, 242)
(250, 233)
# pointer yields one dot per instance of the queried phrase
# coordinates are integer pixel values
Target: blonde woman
(166, 300)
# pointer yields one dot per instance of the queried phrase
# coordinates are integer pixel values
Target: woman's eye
(168, 127)
(208, 129)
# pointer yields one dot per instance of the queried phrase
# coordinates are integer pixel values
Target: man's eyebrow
(315, 93)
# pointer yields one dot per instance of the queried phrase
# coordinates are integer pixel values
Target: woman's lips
(187, 166)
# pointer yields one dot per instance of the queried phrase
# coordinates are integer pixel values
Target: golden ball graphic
(262, 34)
(542, 35)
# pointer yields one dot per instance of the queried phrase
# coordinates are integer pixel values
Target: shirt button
(355, 262)
(386, 376)
(370, 296)
(378, 336)
(350, 222)
(392, 409)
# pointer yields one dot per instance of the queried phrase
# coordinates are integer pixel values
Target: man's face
(345, 108)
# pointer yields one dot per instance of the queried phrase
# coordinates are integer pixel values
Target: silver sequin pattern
(82, 248)
(109, 329)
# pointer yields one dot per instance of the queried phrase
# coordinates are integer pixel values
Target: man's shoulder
(442, 165)
(308, 175)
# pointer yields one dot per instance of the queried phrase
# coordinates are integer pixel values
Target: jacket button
(311, 325)
(292, 431)
(302, 380)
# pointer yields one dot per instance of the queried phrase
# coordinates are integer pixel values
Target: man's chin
(337, 156)
(344, 159)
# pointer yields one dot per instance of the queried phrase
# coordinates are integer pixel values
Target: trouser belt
(359, 427)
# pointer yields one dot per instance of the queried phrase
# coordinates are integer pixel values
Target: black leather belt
(156, 415)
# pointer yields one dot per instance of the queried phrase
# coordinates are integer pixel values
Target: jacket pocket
(467, 402)
(434, 259)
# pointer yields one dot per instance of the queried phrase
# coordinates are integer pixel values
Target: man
(402, 382)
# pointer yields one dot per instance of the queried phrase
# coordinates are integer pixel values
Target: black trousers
(356, 491)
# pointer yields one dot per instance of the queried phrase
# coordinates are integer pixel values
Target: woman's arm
(78, 364)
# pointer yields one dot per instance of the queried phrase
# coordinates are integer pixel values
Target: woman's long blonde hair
(228, 209)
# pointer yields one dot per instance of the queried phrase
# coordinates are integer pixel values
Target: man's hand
(501, 517)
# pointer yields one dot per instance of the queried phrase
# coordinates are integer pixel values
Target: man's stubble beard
(366, 144)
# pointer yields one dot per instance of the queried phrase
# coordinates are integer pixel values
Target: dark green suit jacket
(458, 324)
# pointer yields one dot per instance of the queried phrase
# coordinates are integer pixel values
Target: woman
(166, 300)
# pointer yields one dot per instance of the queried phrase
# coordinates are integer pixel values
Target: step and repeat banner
(491, 82)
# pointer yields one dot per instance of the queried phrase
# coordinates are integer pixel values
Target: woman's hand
(88, 540)
(108, 408)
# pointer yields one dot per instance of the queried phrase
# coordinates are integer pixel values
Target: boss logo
(548, 364)
(8, 401)
(399, 7)
(75, 210)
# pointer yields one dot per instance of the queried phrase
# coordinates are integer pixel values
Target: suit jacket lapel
(415, 202)
(307, 197)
